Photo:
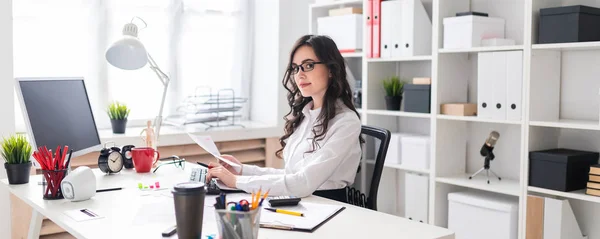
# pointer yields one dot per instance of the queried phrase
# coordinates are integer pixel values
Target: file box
(569, 24)
(560, 169)
(415, 151)
(469, 31)
(477, 214)
(345, 30)
(417, 98)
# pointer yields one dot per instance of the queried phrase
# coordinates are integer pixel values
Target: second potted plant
(118, 113)
(393, 90)
(16, 151)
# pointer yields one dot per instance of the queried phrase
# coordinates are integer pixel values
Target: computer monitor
(57, 111)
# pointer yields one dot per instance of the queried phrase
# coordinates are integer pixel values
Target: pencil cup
(238, 224)
(51, 180)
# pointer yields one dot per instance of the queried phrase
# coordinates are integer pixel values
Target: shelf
(477, 119)
(352, 54)
(579, 194)
(482, 49)
(398, 113)
(569, 124)
(332, 4)
(571, 46)
(505, 186)
(400, 59)
(401, 167)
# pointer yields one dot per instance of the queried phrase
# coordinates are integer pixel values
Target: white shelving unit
(560, 100)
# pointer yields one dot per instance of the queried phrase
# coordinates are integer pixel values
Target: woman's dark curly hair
(326, 50)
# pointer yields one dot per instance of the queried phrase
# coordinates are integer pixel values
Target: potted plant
(393, 90)
(118, 113)
(16, 151)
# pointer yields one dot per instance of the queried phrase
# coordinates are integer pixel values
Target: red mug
(144, 158)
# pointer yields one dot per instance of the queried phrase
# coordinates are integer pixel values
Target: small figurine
(149, 135)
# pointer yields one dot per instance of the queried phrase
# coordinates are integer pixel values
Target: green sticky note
(145, 187)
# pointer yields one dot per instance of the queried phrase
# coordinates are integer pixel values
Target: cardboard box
(421, 81)
(459, 109)
(345, 11)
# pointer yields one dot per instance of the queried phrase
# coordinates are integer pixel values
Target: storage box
(459, 109)
(414, 151)
(497, 42)
(421, 81)
(468, 31)
(560, 169)
(416, 197)
(393, 153)
(345, 30)
(417, 98)
(476, 215)
(569, 24)
(345, 11)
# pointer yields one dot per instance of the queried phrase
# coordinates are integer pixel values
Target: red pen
(205, 165)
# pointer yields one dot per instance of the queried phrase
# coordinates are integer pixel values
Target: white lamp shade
(127, 54)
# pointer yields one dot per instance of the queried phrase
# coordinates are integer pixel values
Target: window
(197, 43)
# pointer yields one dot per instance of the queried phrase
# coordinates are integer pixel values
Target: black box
(417, 98)
(569, 24)
(560, 169)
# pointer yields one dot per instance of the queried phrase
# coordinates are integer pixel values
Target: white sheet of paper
(84, 214)
(208, 144)
(314, 214)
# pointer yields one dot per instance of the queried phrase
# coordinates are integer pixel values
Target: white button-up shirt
(333, 165)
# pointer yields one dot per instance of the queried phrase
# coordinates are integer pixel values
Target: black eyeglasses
(306, 66)
(179, 163)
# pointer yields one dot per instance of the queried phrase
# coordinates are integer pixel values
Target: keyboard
(199, 175)
(212, 189)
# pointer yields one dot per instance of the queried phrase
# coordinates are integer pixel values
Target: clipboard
(322, 214)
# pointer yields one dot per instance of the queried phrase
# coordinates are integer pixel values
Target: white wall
(277, 25)
(7, 119)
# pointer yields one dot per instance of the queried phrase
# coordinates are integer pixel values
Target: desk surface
(130, 213)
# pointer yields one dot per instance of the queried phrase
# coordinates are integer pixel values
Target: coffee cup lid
(189, 187)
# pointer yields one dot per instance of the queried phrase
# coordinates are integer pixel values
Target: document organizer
(315, 215)
(208, 108)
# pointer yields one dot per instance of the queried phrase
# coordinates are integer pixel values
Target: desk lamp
(129, 53)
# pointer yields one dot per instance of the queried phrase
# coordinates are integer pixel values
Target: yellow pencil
(286, 212)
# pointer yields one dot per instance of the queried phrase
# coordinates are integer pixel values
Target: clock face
(115, 162)
(128, 154)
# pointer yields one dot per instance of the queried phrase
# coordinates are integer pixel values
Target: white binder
(485, 66)
(415, 36)
(389, 12)
(416, 199)
(499, 85)
(514, 85)
(405, 29)
(560, 221)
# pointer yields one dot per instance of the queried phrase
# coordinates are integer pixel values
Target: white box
(415, 151)
(475, 215)
(345, 30)
(497, 42)
(416, 197)
(393, 153)
(468, 31)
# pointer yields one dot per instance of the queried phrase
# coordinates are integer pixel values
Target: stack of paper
(314, 216)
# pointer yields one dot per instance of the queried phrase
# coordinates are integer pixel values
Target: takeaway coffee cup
(189, 208)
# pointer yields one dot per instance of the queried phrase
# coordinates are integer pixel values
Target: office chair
(358, 198)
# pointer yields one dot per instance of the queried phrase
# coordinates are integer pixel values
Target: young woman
(321, 145)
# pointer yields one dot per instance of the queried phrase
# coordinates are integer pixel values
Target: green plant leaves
(118, 111)
(393, 86)
(16, 149)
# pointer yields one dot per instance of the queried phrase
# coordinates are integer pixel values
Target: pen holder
(51, 180)
(238, 224)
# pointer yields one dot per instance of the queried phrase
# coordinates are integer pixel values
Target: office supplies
(108, 190)
(459, 109)
(280, 201)
(468, 31)
(79, 185)
(84, 214)
(129, 53)
(345, 30)
(315, 215)
(170, 231)
(54, 170)
(46, 127)
(376, 28)
(405, 29)
(285, 212)
(561, 169)
(204, 165)
(571, 23)
(416, 188)
(559, 220)
(369, 23)
(208, 144)
(499, 89)
(110, 159)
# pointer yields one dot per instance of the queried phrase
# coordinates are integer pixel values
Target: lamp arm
(165, 80)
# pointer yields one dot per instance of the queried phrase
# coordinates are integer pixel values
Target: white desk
(122, 218)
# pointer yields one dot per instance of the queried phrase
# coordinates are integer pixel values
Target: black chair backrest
(384, 136)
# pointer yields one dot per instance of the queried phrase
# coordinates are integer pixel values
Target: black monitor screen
(59, 113)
